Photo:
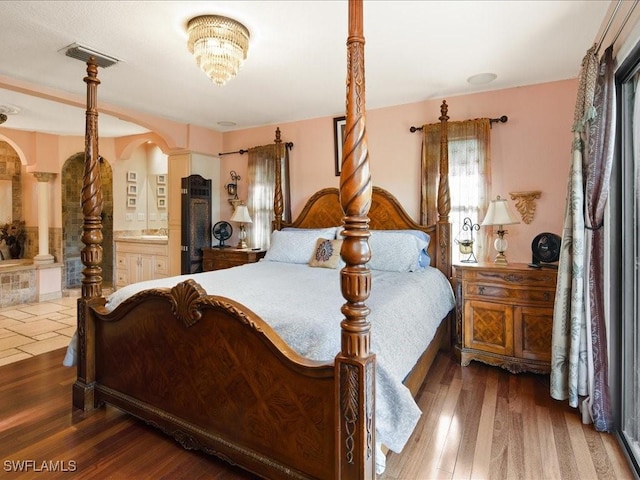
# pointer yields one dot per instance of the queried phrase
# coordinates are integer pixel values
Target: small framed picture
(132, 202)
(161, 179)
(162, 202)
(132, 176)
(132, 189)
(339, 125)
(162, 191)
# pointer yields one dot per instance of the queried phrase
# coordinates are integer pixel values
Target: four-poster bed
(212, 373)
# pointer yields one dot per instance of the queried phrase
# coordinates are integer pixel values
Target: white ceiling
(296, 67)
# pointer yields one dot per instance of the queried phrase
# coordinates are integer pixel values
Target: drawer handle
(547, 296)
(481, 290)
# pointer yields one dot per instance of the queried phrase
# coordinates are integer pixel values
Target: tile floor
(33, 328)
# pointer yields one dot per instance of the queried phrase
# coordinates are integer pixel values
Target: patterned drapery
(262, 166)
(469, 148)
(579, 344)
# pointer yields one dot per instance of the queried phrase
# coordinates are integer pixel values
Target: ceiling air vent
(83, 53)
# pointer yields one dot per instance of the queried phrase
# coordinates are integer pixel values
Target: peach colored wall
(529, 152)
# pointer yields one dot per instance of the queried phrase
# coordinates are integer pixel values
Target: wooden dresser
(504, 315)
(219, 258)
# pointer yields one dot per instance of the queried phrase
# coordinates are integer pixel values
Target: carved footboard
(216, 377)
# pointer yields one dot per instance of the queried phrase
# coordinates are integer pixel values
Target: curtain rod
(610, 22)
(502, 119)
(606, 29)
(242, 151)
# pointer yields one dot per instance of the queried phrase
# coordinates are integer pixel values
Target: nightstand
(504, 315)
(219, 258)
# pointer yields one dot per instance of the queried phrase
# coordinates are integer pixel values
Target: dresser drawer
(220, 258)
(122, 278)
(531, 277)
(535, 296)
(232, 255)
(161, 265)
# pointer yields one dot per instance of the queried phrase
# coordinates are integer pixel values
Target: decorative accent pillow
(295, 246)
(395, 251)
(326, 254)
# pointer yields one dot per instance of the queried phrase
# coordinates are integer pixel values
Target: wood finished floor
(479, 422)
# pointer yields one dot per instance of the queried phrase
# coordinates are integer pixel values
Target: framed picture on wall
(162, 191)
(161, 179)
(131, 202)
(132, 176)
(132, 189)
(339, 125)
(162, 202)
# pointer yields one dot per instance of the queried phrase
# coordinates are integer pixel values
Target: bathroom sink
(146, 238)
(153, 237)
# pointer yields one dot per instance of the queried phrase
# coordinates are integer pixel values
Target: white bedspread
(406, 309)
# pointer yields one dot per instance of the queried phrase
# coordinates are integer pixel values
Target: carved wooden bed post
(443, 261)
(91, 254)
(278, 202)
(355, 364)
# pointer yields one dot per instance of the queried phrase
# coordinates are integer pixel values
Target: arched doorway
(72, 220)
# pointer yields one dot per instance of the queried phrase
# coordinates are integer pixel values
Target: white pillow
(321, 232)
(395, 251)
(296, 246)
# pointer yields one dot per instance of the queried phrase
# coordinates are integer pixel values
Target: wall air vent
(83, 53)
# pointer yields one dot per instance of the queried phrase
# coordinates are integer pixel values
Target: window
(261, 185)
(625, 261)
(469, 177)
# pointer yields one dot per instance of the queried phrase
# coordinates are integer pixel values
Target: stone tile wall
(17, 287)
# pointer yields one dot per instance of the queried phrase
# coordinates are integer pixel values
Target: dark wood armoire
(196, 222)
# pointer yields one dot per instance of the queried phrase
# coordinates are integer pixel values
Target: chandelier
(219, 45)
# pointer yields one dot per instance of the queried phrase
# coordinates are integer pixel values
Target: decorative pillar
(43, 217)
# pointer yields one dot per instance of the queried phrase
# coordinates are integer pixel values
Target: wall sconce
(499, 215)
(465, 240)
(232, 189)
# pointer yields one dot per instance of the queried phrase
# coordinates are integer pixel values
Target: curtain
(261, 180)
(469, 176)
(579, 370)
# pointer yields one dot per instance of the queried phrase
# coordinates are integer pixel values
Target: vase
(14, 248)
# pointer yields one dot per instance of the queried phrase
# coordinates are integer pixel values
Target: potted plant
(13, 236)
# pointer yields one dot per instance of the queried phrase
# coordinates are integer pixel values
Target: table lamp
(499, 215)
(241, 215)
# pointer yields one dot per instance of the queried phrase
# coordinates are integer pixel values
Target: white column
(43, 217)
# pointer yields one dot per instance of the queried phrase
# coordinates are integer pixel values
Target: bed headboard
(323, 209)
